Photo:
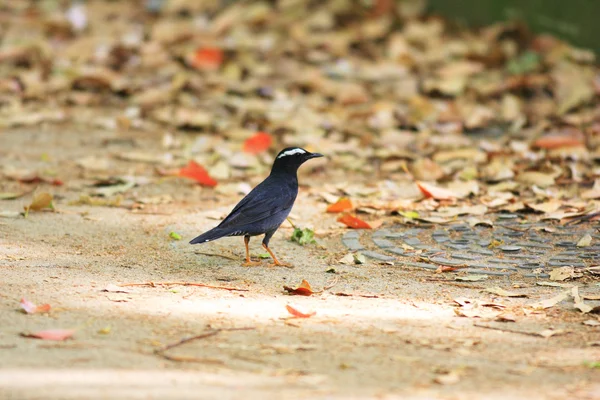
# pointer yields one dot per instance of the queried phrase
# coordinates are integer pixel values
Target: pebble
(377, 256)
(510, 248)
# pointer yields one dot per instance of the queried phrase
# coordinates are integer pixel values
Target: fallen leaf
(111, 190)
(207, 58)
(573, 86)
(299, 314)
(196, 172)
(504, 293)
(563, 273)
(13, 195)
(506, 317)
(343, 204)
(585, 241)
(579, 304)
(50, 334)
(31, 308)
(471, 278)
(536, 178)
(303, 236)
(40, 201)
(552, 284)
(10, 214)
(258, 143)
(303, 290)
(430, 191)
(175, 236)
(551, 302)
(353, 222)
(450, 378)
(557, 140)
(591, 322)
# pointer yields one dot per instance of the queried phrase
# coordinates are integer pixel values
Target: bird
(265, 208)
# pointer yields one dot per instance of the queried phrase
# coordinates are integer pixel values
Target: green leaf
(592, 364)
(303, 236)
(264, 255)
(359, 258)
(529, 61)
(175, 236)
(409, 214)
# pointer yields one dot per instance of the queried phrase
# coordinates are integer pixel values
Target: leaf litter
(390, 101)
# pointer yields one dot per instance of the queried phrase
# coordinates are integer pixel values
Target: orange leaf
(555, 141)
(208, 58)
(197, 172)
(258, 143)
(51, 334)
(353, 222)
(343, 204)
(437, 193)
(299, 314)
(303, 290)
(31, 308)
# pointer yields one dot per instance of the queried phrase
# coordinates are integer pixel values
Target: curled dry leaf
(353, 222)
(258, 143)
(40, 201)
(50, 334)
(343, 204)
(31, 308)
(299, 314)
(303, 290)
(438, 193)
(197, 172)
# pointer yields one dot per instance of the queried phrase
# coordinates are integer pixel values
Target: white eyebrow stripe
(292, 152)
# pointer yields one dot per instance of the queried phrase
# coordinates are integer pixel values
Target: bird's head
(291, 158)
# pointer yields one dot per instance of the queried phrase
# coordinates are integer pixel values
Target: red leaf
(299, 314)
(353, 222)
(31, 308)
(437, 193)
(50, 334)
(343, 204)
(258, 143)
(208, 58)
(557, 140)
(197, 172)
(303, 290)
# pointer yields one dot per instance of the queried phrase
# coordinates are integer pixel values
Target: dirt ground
(396, 334)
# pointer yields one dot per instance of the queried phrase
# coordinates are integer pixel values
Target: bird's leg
(276, 262)
(248, 263)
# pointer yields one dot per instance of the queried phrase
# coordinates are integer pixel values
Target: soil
(382, 331)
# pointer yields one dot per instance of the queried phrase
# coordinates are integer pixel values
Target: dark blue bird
(265, 208)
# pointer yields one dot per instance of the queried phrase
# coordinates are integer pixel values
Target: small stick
(154, 284)
(161, 352)
(217, 255)
(510, 330)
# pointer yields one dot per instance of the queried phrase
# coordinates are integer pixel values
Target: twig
(536, 334)
(217, 255)
(329, 285)
(162, 352)
(155, 284)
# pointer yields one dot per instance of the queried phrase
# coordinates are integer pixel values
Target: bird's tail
(211, 235)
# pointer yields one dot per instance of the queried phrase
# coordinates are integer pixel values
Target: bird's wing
(259, 205)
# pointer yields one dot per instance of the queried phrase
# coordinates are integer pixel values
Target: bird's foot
(280, 264)
(249, 263)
